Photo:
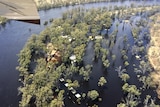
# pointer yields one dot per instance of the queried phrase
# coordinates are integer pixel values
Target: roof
(78, 95)
(24, 10)
(73, 57)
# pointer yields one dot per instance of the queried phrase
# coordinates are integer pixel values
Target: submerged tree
(133, 95)
(122, 105)
(93, 94)
(126, 63)
(120, 70)
(106, 63)
(147, 82)
(149, 102)
(58, 102)
(125, 77)
(85, 73)
(74, 84)
(102, 81)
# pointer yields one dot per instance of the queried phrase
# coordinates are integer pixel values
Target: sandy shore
(154, 51)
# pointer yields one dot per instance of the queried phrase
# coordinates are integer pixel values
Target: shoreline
(154, 53)
(48, 4)
(45, 5)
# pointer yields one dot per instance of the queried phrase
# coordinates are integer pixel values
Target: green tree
(122, 105)
(106, 63)
(131, 101)
(133, 95)
(42, 95)
(102, 81)
(84, 73)
(107, 20)
(125, 77)
(58, 102)
(79, 52)
(131, 89)
(135, 32)
(3, 20)
(123, 52)
(93, 94)
(113, 57)
(125, 57)
(125, 39)
(67, 28)
(126, 63)
(97, 48)
(24, 61)
(147, 82)
(74, 84)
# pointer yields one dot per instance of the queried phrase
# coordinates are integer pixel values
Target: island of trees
(53, 65)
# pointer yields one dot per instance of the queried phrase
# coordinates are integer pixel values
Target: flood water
(112, 93)
(14, 35)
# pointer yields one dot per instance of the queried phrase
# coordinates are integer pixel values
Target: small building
(132, 13)
(126, 21)
(73, 91)
(78, 95)
(91, 38)
(138, 57)
(70, 39)
(73, 58)
(98, 37)
(66, 84)
(67, 37)
(64, 36)
(61, 79)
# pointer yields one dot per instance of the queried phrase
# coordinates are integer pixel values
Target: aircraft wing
(23, 10)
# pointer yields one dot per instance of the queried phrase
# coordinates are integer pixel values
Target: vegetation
(3, 20)
(153, 52)
(85, 72)
(102, 81)
(50, 54)
(52, 64)
(133, 95)
(125, 77)
(93, 94)
(46, 4)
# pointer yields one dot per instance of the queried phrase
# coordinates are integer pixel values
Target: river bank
(47, 4)
(154, 50)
